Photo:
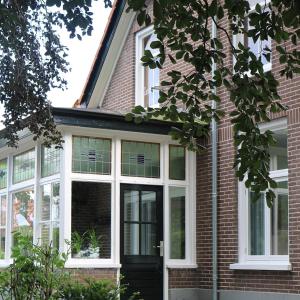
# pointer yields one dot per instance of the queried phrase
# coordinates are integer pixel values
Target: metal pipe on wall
(214, 174)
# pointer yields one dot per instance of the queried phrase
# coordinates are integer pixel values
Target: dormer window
(147, 79)
(257, 48)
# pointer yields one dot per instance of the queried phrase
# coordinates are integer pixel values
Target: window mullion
(267, 230)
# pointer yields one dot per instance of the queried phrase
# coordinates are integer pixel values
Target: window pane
(148, 239)
(278, 153)
(131, 239)
(50, 161)
(140, 159)
(257, 225)
(148, 206)
(3, 173)
(49, 214)
(177, 222)
(279, 221)
(177, 162)
(91, 155)
(91, 220)
(131, 206)
(23, 166)
(23, 212)
(3, 212)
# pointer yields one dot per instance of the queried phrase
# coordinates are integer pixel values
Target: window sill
(266, 266)
(182, 266)
(91, 265)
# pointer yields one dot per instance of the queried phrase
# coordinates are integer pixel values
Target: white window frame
(34, 183)
(259, 262)
(139, 68)
(116, 179)
(239, 38)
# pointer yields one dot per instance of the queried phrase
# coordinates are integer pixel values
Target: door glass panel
(148, 239)
(177, 222)
(257, 226)
(148, 206)
(131, 239)
(131, 205)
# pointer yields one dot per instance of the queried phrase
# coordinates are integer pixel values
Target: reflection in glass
(278, 153)
(177, 162)
(257, 226)
(23, 212)
(131, 239)
(3, 212)
(148, 239)
(3, 173)
(49, 214)
(23, 166)
(50, 162)
(177, 222)
(148, 206)
(131, 205)
(279, 221)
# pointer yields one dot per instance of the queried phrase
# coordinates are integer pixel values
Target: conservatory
(117, 194)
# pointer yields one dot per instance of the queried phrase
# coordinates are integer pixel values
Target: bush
(38, 273)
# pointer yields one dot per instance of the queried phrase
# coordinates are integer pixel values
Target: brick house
(148, 200)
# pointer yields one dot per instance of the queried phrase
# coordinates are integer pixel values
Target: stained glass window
(24, 164)
(91, 155)
(177, 162)
(3, 173)
(49, 214)
(50, 161)
(140, 159)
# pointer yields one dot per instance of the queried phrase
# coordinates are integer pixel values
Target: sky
(81, 56)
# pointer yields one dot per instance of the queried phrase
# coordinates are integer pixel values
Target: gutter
(214, 174)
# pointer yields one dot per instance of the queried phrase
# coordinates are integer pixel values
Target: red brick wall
(120, 95)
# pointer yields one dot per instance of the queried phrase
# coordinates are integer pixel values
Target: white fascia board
(111, 59)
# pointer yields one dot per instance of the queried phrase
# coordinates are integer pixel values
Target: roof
(114, 18)
(97, 118)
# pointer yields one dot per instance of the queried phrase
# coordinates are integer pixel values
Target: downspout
(214, 174)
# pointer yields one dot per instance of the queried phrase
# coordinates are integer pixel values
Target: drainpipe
(214, 174)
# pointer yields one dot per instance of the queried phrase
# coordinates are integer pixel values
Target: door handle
(161, 248)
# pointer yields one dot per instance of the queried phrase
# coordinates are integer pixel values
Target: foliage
(37, 272)
(33, 61)
(93, 289)
(184, 35)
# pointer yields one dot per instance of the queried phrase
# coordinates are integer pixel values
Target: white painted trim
(243, 217)
(182, 266)
(112, 59)
(264, 265)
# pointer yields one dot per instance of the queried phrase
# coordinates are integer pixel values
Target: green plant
(37, 272)
(77, 242)
(93, 240)
(93, 289)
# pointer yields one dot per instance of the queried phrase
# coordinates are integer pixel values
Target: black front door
(142, 240)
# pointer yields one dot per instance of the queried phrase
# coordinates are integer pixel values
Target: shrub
(38, 273)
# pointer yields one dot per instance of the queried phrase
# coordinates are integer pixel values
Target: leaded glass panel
(91, 155)
(50, 161)
(177, 162)
(140, 159)
(24, 165)
(3, 173)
